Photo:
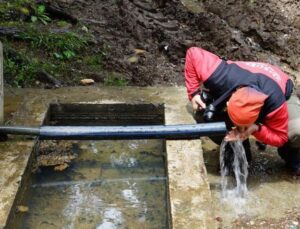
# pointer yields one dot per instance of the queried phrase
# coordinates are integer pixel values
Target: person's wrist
(197, 92)
(195, 97)
(258, 127)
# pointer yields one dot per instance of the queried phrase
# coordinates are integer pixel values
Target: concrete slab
(190, 198)
(14, 157)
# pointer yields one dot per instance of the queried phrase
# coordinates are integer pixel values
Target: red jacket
(201, 64)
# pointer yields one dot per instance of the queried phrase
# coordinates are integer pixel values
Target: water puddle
(110, 184)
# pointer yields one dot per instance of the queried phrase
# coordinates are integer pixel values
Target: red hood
(199, 66)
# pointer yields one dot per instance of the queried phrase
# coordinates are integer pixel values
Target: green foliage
(20, 69)
(40, 15)
(67, 54)
(15, 9)
(105, 50)
(23, 10)
(93, 60)
(10, 23)
(62, 23)
(36, 48)
(20, 2)
(60, 46)
(21, 74)
(115, 80)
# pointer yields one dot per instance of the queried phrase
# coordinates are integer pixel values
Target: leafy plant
(19, 69)
(40, 15)
(61, 46)
(62, 23)
(93, 62)
(67, 54)
(21, 74)
(11, 10)
(115, 80)
(105, 50)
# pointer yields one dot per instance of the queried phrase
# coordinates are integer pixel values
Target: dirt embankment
(147, 39)
(236, 29)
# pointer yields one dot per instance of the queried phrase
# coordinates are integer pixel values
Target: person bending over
(252, 96)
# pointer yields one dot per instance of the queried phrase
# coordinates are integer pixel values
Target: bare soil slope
(147, 39)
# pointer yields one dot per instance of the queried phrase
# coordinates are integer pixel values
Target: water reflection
(111, 184)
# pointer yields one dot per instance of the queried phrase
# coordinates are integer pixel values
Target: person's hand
(233, 135)
(197, 103)
(241, 133)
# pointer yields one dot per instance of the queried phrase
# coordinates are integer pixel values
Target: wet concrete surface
(187, 180)
(194, 188)
(14, 157)
(273, 194)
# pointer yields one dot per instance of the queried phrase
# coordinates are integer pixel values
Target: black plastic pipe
(20, 130)
(183, 131)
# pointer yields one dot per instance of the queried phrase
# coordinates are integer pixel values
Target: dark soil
(234, 29)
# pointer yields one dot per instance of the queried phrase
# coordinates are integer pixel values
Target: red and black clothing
(220, 76)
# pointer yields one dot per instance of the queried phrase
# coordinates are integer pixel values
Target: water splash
(239, 168)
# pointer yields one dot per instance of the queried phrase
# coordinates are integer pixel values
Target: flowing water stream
(240, 170)
(268, 198)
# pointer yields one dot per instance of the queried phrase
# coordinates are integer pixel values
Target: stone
(22, 209)
(87, 82)
(61, 167)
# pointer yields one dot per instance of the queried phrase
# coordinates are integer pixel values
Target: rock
(54, 153)
(219, 219)
(139, 51)
(61, 167)
(133, 59)
(45, 77)
(85, 29)
(87, 82)
(296, 22)
(22, 208)
(54, 159)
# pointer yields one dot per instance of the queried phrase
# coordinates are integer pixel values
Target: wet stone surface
(272, 198)
(53, 153)
(187, 189)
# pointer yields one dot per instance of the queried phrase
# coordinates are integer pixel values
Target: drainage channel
(97, 184)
